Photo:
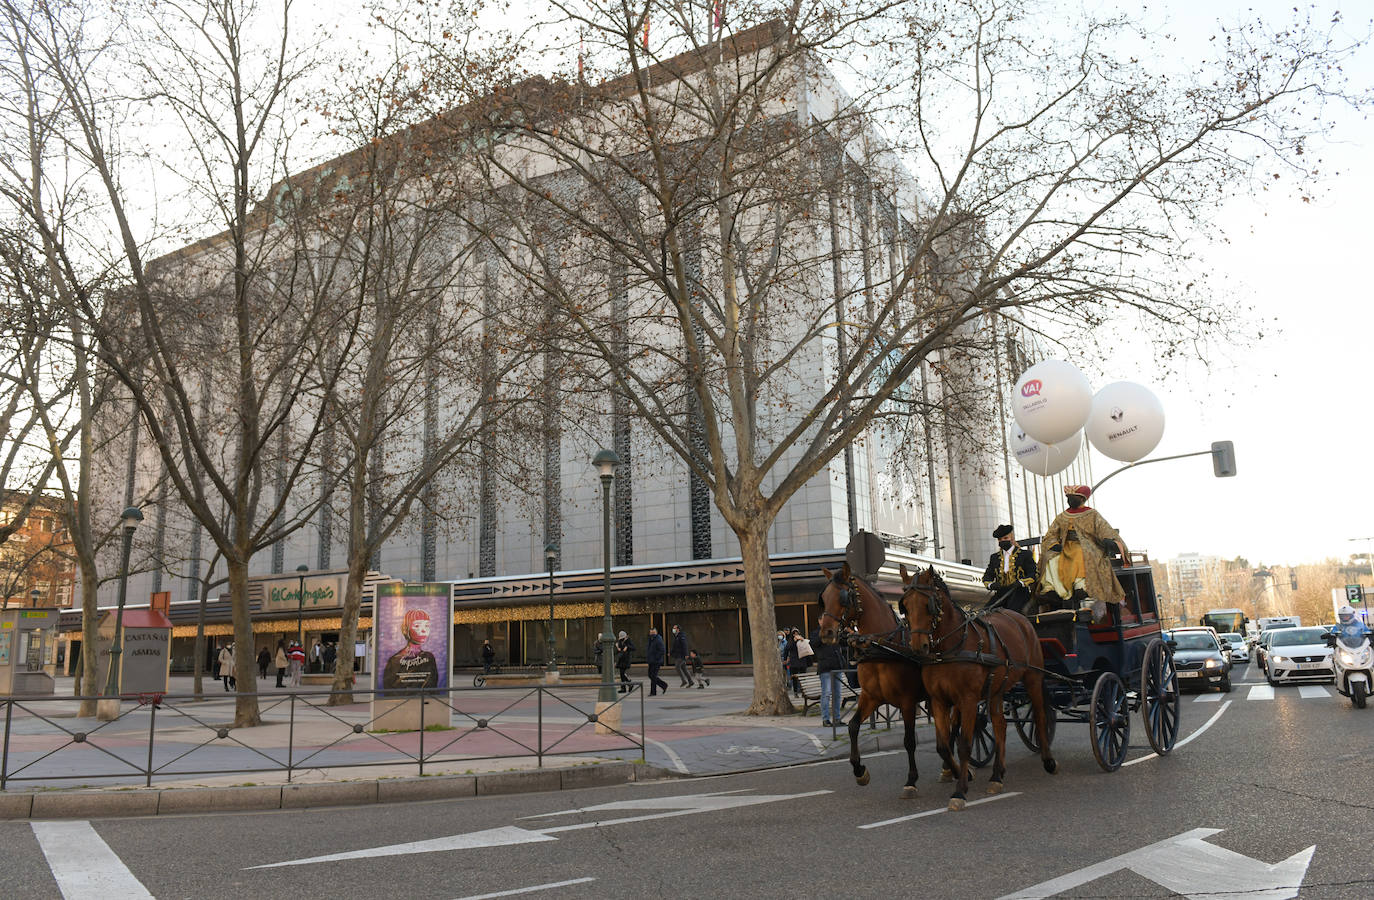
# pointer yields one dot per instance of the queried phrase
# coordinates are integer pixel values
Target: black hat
(1001, 531)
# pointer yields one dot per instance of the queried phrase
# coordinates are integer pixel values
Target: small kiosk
(28, 651)
(145, 654)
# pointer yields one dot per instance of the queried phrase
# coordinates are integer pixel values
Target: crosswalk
(1266, 692)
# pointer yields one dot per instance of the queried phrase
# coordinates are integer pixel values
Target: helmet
(1345, 613)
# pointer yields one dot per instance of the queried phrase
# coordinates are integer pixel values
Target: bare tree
(869, 192)
(232, 310)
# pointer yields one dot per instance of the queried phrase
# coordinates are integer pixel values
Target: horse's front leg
(997, 716)
(862, 709)
(968, 720)
(909, 741)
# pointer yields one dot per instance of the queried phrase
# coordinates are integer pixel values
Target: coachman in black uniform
(1011, 573)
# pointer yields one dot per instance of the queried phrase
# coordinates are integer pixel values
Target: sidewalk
(202, 764)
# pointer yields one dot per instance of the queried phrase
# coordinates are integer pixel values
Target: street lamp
(129, 519)
(551, 554)
(300, 602)
(605, 462)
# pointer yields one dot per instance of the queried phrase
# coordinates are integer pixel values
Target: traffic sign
(1354, 593)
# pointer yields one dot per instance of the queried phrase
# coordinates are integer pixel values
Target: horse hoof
(1051, 766)
(909, 792)
(957, 804)
(946, 774)
(995, 787)
(862, 779)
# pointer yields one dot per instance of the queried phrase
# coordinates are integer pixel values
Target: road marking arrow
(1188, 865)
(685, 805)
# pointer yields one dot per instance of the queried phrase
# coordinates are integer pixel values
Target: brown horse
(885, 676)
(966, 659)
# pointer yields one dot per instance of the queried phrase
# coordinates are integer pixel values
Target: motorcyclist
(1351, 631)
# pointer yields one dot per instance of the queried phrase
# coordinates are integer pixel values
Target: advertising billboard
(412, 628)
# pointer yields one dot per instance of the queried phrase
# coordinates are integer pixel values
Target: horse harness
(989, 644)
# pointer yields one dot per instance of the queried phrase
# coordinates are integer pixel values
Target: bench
(811, 696)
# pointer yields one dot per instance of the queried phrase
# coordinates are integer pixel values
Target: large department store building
(675, 561)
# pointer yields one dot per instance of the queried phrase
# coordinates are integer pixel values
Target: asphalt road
(1268, 778)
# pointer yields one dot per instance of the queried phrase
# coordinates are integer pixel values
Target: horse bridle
(933, 606)
(851, 602)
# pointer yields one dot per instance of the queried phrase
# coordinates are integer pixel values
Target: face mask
(1075, 501)
(1005, 545)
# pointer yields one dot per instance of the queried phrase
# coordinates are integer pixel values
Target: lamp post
(605, 462)
(551, 554)
(300, 603)
(129, 519)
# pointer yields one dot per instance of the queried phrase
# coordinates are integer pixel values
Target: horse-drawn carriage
(981, 670)
(1101, 674)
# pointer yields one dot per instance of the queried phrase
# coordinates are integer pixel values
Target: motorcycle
(1354, 668)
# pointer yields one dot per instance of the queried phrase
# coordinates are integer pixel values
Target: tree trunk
(348, 627)
(90, 658)
(246, 700)
(770, 694)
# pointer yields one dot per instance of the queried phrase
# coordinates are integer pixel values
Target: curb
(174, 801)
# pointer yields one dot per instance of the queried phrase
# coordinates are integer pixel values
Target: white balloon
(1044, 459)
(1126, 422)
(1051, 401)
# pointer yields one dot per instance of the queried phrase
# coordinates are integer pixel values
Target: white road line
(1307, 691)
(672, 755)
(820, 748)
(1207, 698)
(1205, 725)
(936, 812)
(528, 890)
(1261, 692)
(83, 865)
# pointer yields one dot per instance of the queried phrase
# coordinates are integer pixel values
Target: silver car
(1239, 652)
(1299, 655)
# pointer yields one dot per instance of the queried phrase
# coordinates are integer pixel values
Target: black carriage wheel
(1159, 704)
(1109, 722)
(982, 748)
(984, 745)
(1023, 717)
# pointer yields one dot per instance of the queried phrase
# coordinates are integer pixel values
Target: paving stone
(439, 787)
(518, 782)
(596, 776)
(344, 793)
(93, 804)
(262, 796)
(15, 806)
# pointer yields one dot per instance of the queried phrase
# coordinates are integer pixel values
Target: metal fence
(174, 736)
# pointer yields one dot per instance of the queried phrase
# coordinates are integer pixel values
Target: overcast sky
(1299, 405)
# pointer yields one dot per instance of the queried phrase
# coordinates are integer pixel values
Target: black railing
(513, 722)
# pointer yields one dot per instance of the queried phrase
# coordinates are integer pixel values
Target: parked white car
(1239, 652)
(1298, 655)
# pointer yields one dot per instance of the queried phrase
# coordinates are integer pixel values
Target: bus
(1268, 622)
(1225, 621)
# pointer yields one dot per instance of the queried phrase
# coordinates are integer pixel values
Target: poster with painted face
(413, 624)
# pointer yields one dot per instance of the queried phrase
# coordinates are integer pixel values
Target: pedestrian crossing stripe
(1266, 692)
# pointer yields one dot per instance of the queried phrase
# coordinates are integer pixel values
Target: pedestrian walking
(489, 657)
(264, 660)
(791, 662)
(697, 668)
(226, 666)
(654, 654)
(331, 655)
(829, 665)
(281, 662)
(317, 657)
(296, 654)
(679, 655)
(623, 648)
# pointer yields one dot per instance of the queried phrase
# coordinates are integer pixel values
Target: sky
(1299, 405)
